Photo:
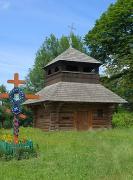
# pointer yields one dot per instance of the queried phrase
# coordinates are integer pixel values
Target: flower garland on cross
(17, 97)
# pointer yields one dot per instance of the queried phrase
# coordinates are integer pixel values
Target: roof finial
(72, 28)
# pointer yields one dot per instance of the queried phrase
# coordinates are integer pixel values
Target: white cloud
(4, 4)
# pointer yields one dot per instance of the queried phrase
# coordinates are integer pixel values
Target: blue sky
(25, 24)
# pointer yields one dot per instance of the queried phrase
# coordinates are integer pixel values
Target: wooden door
(84, 120)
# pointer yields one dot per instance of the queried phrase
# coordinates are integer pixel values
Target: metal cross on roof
(72, 28)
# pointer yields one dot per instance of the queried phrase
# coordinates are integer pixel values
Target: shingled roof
(74, 55)
(77, 92)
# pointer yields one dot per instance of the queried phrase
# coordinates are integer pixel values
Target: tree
(50, 49)
(111, 41)
(5, 119)
(3, 89)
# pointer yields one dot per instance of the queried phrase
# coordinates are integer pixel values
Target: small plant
(25, 153)
(122, 119)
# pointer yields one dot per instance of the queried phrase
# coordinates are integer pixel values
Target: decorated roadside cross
(17, 97)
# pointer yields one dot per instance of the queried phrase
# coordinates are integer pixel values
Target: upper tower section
(72, 66)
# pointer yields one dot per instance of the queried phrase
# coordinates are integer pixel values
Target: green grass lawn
(105, 154)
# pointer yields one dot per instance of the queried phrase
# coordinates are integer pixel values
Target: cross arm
(4, 95)
(10, 81)
(19, 81)
(31, 96)
(21, 116)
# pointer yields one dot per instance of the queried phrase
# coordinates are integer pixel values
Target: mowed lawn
(103, 154)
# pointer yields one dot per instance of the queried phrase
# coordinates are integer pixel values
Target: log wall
(67, 76)
(63, 116)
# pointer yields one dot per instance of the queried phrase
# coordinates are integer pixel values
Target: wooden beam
(22, 116)
(8, 111)
(31, 96)
(90, 118)
(4, 96)
(75, 119)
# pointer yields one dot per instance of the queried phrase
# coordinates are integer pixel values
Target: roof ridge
(72, 54)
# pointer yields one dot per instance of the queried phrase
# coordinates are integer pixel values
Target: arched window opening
(71, 68)
(49, 72)
(93, 70)
(87, 69)
(56, 69)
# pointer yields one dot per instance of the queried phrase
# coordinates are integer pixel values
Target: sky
(24, 24)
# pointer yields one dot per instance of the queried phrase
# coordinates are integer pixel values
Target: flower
(9, 138)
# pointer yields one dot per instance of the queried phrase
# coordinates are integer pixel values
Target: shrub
(23, 153)
(8, 123)
(122, 119)
(5, 118)
(29, 118)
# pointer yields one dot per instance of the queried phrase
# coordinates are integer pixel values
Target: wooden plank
(68, 117)
(4, 96)
(90, 118)
(75, 119)
(82, 120)
(31, 96)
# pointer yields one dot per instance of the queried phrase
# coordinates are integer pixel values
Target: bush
(29, 118)
(23, 153)
(8, 123)
(7, 119)
(122, 119)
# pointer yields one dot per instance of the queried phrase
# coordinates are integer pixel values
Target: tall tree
(111, 41)
(3, 90)
(4, 104)
(50, 49)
